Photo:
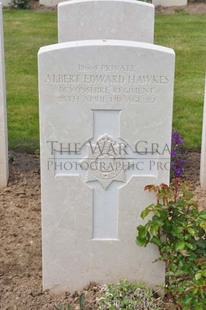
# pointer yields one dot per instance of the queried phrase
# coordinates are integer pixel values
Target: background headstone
(50, 2)
(169, 2)
(97, 95)
(3, 113)
(119, 20)
(5, 2)
(203, 148)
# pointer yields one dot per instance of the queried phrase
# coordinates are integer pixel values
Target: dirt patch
(20, 252)
(20, 231)
(35, 6)
(192, 174)
(191, 8)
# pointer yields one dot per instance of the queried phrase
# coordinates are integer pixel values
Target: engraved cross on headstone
(102, 164)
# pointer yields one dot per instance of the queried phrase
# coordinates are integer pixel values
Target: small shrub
(20, 4)
(125, 295)
(197, 1)
(178, 228)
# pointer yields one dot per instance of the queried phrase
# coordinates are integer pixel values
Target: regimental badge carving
(105, 162)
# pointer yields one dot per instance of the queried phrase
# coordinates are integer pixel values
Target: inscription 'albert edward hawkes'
(110, 79)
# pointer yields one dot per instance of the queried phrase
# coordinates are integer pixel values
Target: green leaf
(145, 213)
(201, 243)
(190, 246)
(188, 194)
(180, 245)
(195, 290)
(141, 242)
(170, 273)
(156, 241)
(204, 273)
(198, 276)
(191, 231)
(173, 267)
(187, 300)
(154, 229)
(203, 225)
(141, 231)
(203, 215)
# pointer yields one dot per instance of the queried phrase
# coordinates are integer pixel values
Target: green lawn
(186, 34)
(26, 31)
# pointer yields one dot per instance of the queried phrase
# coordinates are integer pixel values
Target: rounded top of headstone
(105, 19)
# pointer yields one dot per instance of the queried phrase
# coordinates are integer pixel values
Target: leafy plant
(20, 4)
(81, 301)
(196, 1)
(178, 228)
(125, 295)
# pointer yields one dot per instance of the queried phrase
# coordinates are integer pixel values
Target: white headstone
(105, 121)
(6, 2)
(203, 148)
(107, 19)
(50, 3)
(168, 3)
(3, 113)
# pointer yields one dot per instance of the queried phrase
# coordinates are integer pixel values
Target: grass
(26, 31)
(186, 35)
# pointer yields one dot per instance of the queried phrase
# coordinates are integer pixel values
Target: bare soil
(20, 237)
(191, 8)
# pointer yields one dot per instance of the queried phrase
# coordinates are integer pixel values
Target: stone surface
(169, 2)
(3, 113)
(5, 2)
(105, 123)
(49, 3)
(203, 148)
(117, 19)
